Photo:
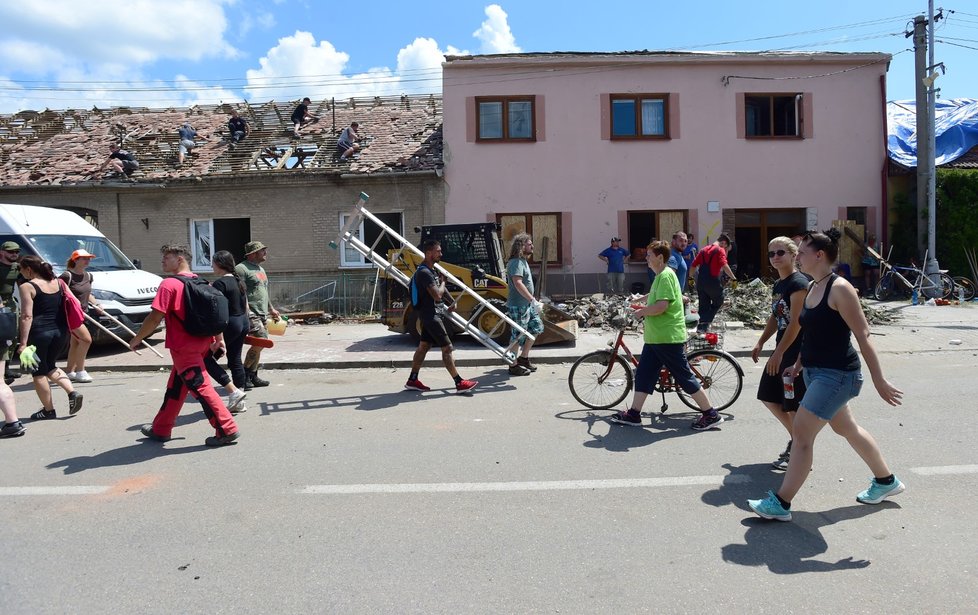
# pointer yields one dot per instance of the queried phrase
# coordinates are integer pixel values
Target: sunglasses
(774, 253)
(12, 251)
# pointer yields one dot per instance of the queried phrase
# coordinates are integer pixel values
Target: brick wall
(295, 216)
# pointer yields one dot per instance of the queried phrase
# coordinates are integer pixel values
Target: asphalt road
(347, 495)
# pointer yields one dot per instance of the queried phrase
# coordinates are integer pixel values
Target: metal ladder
(348, 235)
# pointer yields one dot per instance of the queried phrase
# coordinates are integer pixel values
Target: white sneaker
(235, 399)
(242, 407)
(71, 376)
(81, 376)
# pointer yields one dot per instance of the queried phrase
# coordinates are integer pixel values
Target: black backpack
(205, 306)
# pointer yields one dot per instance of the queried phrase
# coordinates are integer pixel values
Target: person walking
(831, 315)
(709, 289)
(615, 255)
(428, 297)
(234, 290)
(43, 324)
(187, 353)
(12, 427)
(788, 297)
(9, 272)
(79, 282)
(522, 306)
(665, 342)
(259, 307)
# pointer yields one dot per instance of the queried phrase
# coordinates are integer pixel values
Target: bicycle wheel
(596, 386)
(969, 287)
(884, 288)
(719, 375)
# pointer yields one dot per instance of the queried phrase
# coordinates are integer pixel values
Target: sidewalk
(341, 346)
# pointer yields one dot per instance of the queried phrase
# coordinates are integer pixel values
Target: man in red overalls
(188, 374)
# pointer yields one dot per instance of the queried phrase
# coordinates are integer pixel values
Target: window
(538, 226)
(639, 116)
(856, 214)
(644, 226)
(773, 115)
(211, 235)
(508, 118)
(368, 234)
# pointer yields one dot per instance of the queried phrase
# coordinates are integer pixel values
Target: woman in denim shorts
(832, 372)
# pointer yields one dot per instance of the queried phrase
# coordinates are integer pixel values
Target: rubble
(749, 303)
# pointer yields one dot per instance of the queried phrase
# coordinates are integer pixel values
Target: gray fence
(343, 294)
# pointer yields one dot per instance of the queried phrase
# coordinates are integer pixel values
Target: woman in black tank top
(831, 314)
(43, 325)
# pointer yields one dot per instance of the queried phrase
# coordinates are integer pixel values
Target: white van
(121, 289)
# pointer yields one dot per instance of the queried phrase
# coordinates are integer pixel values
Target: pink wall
(571, 168)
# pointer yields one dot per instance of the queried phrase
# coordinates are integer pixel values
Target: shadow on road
(787, 548)
(144, 450)
(495, 381)
(784, 548)
(622, 438)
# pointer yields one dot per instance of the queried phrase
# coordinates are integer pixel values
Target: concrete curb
(470, 362)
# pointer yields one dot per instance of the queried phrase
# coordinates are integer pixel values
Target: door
(755, 228)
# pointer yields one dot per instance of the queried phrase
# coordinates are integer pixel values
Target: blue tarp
(955, 124)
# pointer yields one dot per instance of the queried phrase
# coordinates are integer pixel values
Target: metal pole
(931, 266)
(922, 125)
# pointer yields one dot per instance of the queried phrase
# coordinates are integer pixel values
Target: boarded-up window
(538, 226)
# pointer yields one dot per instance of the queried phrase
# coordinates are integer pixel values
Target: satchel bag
(73, 308)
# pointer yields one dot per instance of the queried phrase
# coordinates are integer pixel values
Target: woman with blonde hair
(79, 282)
(788, 297)
(831, 316)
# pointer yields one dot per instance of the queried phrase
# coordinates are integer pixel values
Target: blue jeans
(829, 390)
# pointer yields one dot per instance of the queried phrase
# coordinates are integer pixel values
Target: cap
(616, 239)
(253, 246)
(10, 246)
(81, 254)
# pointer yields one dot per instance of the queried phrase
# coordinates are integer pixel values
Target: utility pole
(923, 127)
(931, 267)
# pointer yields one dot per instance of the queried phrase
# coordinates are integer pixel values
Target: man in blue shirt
(615, 257)
(689, 252)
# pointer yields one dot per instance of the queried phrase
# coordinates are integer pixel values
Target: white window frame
(197, 253)
(361, 261)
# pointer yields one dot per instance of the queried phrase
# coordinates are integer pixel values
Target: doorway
(755, 228)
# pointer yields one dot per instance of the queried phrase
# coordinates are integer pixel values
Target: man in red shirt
(188, 374)
(708, 286)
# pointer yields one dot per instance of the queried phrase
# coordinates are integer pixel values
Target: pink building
(581, 147)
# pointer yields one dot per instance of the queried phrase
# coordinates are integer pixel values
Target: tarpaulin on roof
(955, 127)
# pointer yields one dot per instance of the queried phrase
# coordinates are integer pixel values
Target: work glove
(28, 358)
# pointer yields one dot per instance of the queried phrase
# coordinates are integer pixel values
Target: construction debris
(749, 303)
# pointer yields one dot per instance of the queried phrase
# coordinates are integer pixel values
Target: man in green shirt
(259, 305)
(665, 341)
(9, 272)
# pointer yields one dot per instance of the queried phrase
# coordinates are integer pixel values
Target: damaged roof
(400, 134)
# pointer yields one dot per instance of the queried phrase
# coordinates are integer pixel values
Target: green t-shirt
(256, 283)
(518, 266)
(668, 327)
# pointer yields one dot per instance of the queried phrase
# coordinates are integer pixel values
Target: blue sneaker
(770, 508)
(877, 492)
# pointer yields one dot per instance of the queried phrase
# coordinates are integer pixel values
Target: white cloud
(31, 58)
(494, 32)
(317, 70)
(132, 32)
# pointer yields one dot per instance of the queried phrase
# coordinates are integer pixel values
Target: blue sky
(61, 54)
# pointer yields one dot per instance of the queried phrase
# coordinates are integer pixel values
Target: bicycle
(603, 379)
(966, 286)
(893, 281)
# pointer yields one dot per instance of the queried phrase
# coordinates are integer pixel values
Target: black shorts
(771, 389)
(433, 331)
(49, 344)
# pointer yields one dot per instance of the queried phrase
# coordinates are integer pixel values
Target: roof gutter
(90, 185)
(425, 173)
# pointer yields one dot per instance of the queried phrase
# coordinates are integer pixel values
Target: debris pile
(600, 311)
(749, 303)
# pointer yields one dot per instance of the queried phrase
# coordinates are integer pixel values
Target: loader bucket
(558, 327)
